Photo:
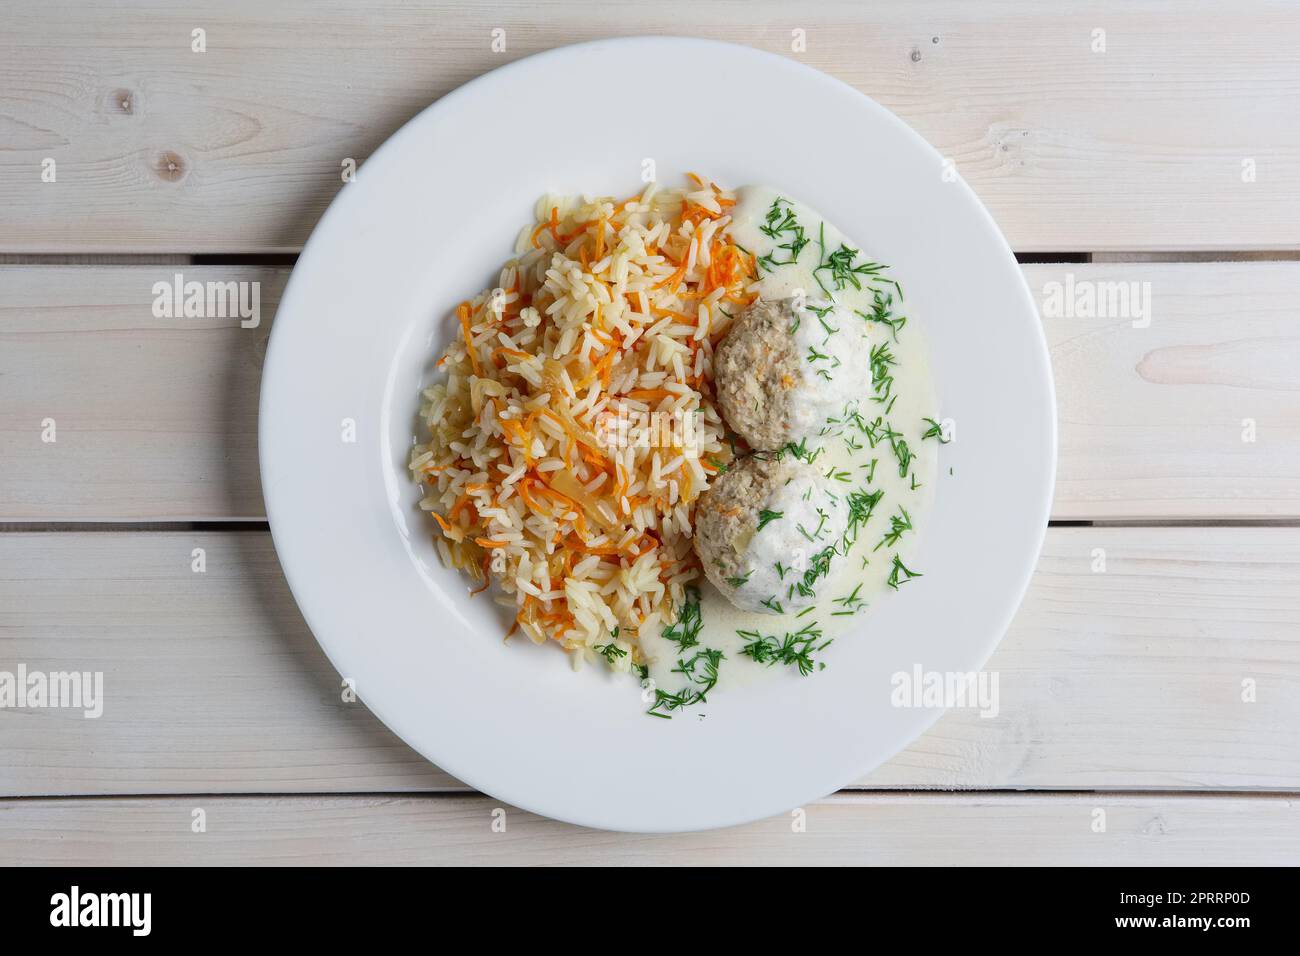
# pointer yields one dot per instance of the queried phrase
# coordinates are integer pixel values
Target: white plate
(428, 221)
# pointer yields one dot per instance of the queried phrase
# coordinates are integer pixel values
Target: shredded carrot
(663, 313)
(554, 226)
(461, 502)
(462, 313)
(673, 280)
(513, 353)
(650, 394)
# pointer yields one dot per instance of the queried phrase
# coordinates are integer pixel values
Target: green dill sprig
(861, 505)
(781, 223)
(685, 632)
(819, 567)
(842, 267)
(903, 454)
(701, 683)
(794, 648)
(882, 312)
(797, 449)
(882, 380)
(766, 517)
(898, 569)
(611, 651)
(740, 581)
(935, 431)
(898, 524)
(850, 603)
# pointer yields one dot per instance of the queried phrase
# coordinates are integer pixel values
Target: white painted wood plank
(153, 418)
(846, 829)
(1127, 679)
(159, 148)
(156, 418)
(1190, 411)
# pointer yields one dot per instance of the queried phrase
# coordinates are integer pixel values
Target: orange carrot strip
(462, 313)
(649, 394)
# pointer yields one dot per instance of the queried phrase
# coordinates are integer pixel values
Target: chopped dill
(611, 651)
(842, 266)
(689, 696)
(798, 450)
(795, 648)
(897, 525)
(902, 453)
(850, 602)
(900, 569)
(686, 631)
(861, 504)
(882, 312)
(935, 431)
(882, 381)
(766, 517)
(818, 567)
(780, 223)
(738, 582)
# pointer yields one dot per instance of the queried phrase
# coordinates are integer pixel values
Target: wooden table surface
(1164, 690)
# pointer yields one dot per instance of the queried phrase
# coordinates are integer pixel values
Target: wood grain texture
(162, 149)
(876, 829)
(1127, 679)
(154, 418)
(157, 418)
(1196, 415)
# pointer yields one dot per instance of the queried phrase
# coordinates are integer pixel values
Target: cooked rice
(610, 311)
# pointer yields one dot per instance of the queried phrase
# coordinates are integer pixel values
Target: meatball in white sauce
(786, 366)
(761, 526)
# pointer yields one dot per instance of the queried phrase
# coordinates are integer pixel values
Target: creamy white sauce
(812, 517)
(833, 367)
(858, 579)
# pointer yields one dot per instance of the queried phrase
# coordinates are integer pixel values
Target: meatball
(785, 367)
(762, 525)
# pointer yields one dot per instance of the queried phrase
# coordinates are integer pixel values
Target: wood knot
(121, 101)
(170, 167)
